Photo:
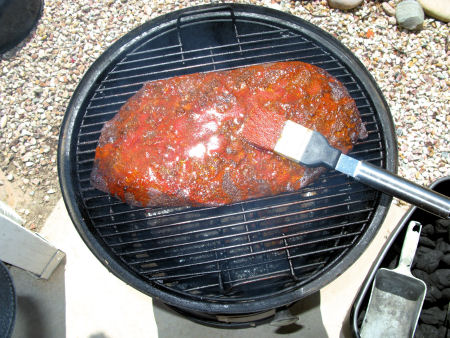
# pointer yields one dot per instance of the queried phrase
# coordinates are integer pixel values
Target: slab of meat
(177, 141)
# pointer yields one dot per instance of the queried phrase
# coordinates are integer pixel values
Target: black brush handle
(396, 186)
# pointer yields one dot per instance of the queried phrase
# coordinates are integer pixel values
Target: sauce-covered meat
(177, 141)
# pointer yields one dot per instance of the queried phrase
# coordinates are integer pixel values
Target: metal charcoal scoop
(397, 297)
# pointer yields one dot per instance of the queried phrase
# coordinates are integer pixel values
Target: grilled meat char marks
(177, 141)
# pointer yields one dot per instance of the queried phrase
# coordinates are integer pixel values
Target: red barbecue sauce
(177, 141)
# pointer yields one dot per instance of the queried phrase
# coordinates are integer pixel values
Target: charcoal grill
(245, 258)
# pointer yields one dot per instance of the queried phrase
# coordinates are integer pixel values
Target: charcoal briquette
(427, 259)
(442, 331)
(432, 316)
(441, 226)
(446, 294)
(433, 294)
(446, 259)
(428, 230)
(419, 333)
(423, 276)
(442, 246)
(425, 241)
(441, 277)
(428, 331)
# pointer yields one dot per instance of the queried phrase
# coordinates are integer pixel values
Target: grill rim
(67, 145)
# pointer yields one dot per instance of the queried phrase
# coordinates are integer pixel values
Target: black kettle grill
(247, 259)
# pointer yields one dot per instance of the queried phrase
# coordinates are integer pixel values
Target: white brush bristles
(293, 141)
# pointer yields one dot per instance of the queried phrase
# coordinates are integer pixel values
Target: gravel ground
(38, 77)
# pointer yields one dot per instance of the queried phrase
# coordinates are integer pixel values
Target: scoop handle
(409, 246)
(396, 186)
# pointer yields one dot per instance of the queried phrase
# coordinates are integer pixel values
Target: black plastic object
(17, 19)
(397, 236)
(7, 302)
(246, 257)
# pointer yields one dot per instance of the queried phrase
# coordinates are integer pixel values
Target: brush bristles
(263, 129)
(293, 141)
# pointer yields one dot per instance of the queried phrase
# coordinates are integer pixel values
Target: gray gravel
(38, 77)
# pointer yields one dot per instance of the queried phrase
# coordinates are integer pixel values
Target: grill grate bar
(191, 243)
(126, 95)
(243, 58)
(255, 253)
(207, 49)
(275, 274)
(101, 123)
(236, 213)
(283, 271)
(227, 270)
(95, 142)
(119, 103)
(280, 273)
(160, 49)
(306, 190)
(249, 243)
(215, 63)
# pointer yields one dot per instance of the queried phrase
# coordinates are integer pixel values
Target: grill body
(246, 257)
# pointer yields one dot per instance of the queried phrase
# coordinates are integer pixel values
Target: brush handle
(394, 185)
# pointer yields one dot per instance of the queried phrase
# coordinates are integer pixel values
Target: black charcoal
(428, 331)
(425, 241)
(442, 331)
(446, 294)
(428, 230)
(433, 316)
(441, 226)
(446, 259)
(423, 276)
(442, 246)
(427, 259)
(433, 294)
(419, 333)
(441, 277)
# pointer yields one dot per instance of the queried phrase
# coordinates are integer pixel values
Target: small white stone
(409, 14)
(3, 121)
(388, 9)
(46, 198)
(51, 191)
(10, 177)
(439, 9)
(344, 4)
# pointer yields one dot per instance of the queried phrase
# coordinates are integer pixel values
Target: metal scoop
(397, 297)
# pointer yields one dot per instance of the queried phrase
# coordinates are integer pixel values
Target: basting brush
(310, 148)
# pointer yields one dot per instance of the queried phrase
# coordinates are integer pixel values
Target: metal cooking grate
(248, 249)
